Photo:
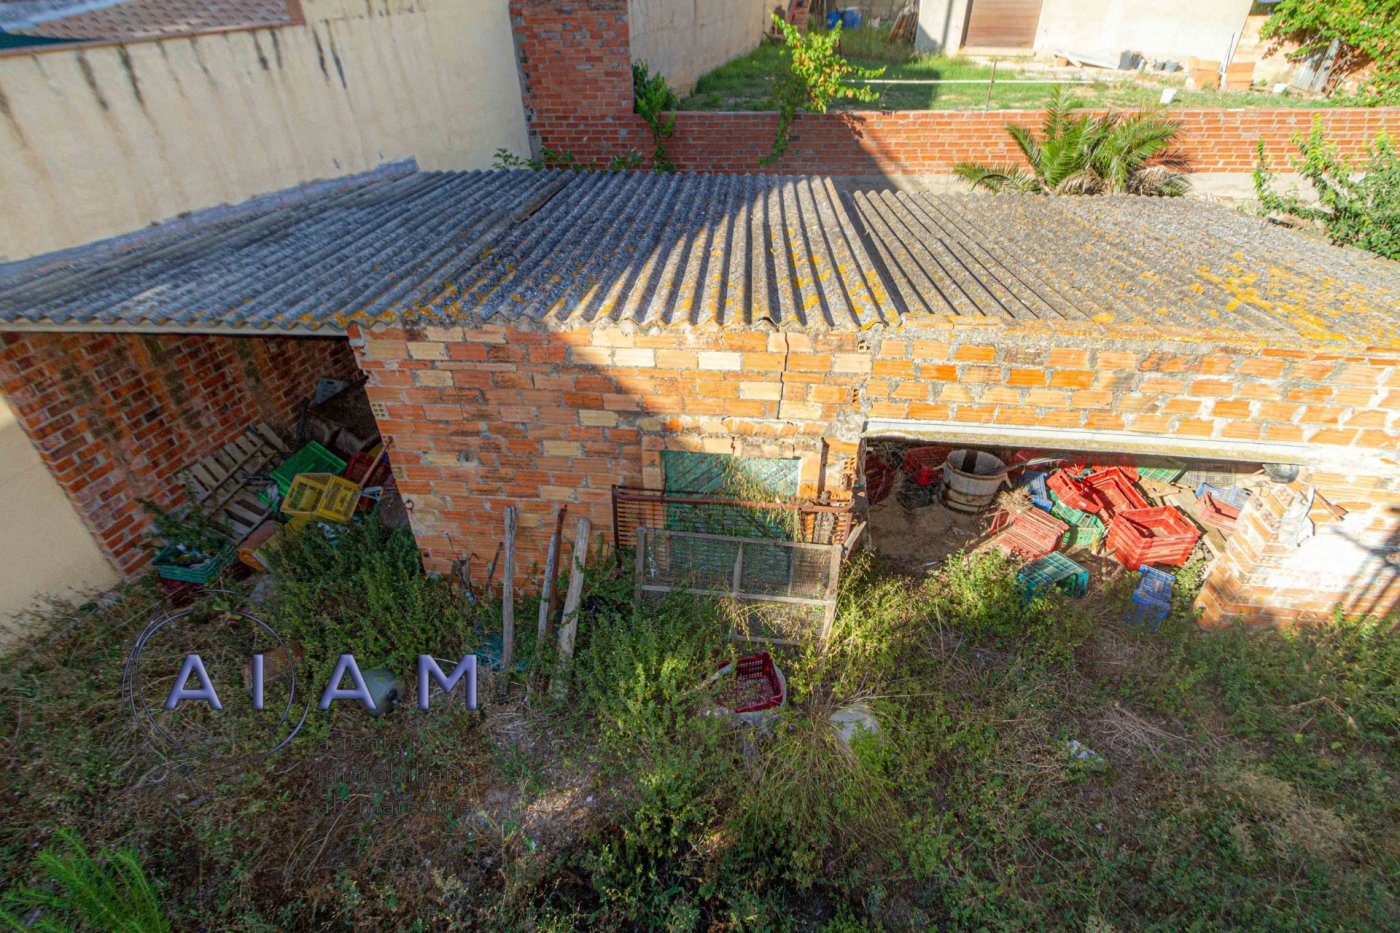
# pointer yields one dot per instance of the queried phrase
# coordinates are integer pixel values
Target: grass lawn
(1236, 779)
(745, 84)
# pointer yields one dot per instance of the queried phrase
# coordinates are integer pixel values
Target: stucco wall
(941, 25)
(102, 140)
(45, 548)
(1178, 30)
(683, 39)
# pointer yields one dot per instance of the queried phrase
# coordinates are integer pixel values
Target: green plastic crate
(313, 458)
(1161, 469)
(1053, 570)
(195, 573)
(1085, 529)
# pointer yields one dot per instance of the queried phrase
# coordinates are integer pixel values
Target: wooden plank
(508, 603)
(1002, 24)
(568, 630)
(551, 565)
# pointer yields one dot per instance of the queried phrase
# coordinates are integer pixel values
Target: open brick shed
(534, 338)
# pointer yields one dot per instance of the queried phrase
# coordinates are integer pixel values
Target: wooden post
(990, 84)
(551, 569)
(508, 603)
(568, 628)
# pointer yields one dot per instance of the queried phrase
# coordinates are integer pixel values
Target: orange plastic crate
(1114, 488)
(1159, 535)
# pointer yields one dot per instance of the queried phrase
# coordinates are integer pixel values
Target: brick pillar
(576, 73)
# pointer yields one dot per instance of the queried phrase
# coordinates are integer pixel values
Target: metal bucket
(971, 479)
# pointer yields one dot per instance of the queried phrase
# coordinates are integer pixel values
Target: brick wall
(484, 417)
(116, 416)
(576, 77)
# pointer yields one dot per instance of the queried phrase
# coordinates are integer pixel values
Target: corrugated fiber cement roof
(555, 250)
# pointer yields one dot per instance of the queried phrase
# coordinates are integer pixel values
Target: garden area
(955, 757)
(747, 82)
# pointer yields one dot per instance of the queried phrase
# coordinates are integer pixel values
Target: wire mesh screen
(796, 580)
(802, 521)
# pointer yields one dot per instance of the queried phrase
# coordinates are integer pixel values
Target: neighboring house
(532, 339)
(1179, 30)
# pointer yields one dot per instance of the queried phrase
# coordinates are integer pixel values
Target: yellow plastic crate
(321, 497)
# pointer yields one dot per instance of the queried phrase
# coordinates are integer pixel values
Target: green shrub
(653, 100)
(1366, 31)
(361, 589)
(88, 893)
(810, 76)
(1358, 204)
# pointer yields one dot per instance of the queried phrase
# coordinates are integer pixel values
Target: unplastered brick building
(532, 339)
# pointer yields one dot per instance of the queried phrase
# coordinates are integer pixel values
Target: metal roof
(553, 250)
(1168, 264)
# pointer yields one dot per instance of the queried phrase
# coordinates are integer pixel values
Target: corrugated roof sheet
(1169, 264)
(127, 20)
(543, 248)
(552, 250)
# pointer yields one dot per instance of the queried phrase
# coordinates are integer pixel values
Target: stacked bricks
(117, 416)
(484, 417)
(575, 65)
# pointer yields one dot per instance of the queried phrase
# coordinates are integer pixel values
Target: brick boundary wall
(575, 65)
(116, 416)
(483, 417)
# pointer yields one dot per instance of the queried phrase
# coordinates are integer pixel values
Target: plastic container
(1160, 469)
(248, 550)
(1084, 530)
(1155, 583)
(193, 573)
(971, 479)
(313, 458)
(924, 465)
(1233, 496)
(850, 18)
(1053, 570)
(368, 469)
(1034, 480)
(1160, 535)
(1211, 511)
(1147, 611)
(1031, 534)
(1113, 488)
(832, 18)
(879, 479)
(757, 684)
(1098, 463)
(1072, 492)
(321, 497)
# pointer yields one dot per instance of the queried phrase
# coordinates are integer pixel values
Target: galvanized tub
(971, 479)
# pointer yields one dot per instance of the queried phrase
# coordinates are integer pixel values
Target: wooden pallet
(219, 480)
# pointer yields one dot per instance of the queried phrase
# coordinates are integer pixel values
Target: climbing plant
(1357, 204)
(811, 75)
(1366, 32)
(654, 100)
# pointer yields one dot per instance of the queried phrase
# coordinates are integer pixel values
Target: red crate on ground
(1072, 492)
(757, 685)
(924, 465)
(1032, 534)
(367, 469)
(879, 479)
(1098, 463)
(1215, 513)
(1160, 535)
(1113, 487)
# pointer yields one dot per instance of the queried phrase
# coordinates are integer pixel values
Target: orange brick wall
(483, 417)
(576, 74)
(116, 416)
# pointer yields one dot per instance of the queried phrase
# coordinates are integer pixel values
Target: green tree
(1366, 31)
(1083, 153)
(811, 76)
(1357, 204)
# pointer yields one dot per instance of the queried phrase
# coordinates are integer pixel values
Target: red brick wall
(480, 418)
(576, 72)
(117, 416)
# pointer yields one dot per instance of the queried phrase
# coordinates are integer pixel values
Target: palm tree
(1082, 153)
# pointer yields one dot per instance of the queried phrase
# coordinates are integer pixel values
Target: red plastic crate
(756, 684)
(1115, 490)
(1215, 513)
(879, 479)
(1031, 534)
(368, 469)
(924, 465)
(1159, 535)
(1098, 463)
(1072, 492)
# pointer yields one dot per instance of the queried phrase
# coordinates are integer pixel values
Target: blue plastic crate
(1155, 583)
(1146, 611)
(1233, 496)
(1034, 480)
